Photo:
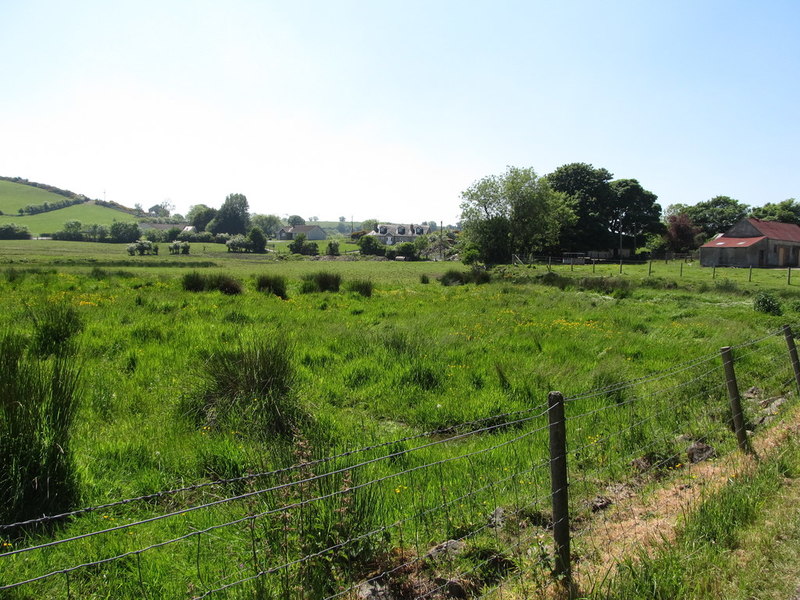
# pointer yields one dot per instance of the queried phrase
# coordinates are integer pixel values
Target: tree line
(580, 208)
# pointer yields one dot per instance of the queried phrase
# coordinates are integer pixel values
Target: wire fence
(471, 510)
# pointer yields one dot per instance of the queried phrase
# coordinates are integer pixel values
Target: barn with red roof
(754, 243)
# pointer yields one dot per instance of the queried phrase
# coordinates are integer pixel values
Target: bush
(321, 282)
(424, 278)
(361, 286)
(453, 277)
(38, 403)
(142, 248)
(239, 243)
(11, 231)
(251, 384)
(767, 303)
(371, 245)
(332, 249)
(272, 284)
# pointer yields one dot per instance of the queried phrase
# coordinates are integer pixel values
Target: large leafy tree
(200, 216)
(269, 224)
(232, 217)
(295, 220)
(787, 211)
(716, 215)
(516, 212)
(681, 234)
(634, 211)
(593, 200)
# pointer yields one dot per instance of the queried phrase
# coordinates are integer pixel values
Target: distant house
(397, 234)
(312, 232)
(756, 243)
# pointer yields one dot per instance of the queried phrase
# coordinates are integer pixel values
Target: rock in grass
(698, 452)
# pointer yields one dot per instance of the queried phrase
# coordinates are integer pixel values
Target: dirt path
(635, 522)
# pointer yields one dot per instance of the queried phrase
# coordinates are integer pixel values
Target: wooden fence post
(714, 272)
(681, 269)
(650, 268)
(750, 274)
(787, 333)
(736, 403)
(558, 486)
(789, 276)
(620, 266)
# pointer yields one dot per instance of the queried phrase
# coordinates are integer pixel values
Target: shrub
(12, 231)
(250, 383)
(38, 403)
(767, 303)
(332, 249)
(194, 282)
(178, 247)
(371, 245)
(424, 279)
(239, 243)
(453, 277)
(272, 284)
(321, 282)
(361, 286)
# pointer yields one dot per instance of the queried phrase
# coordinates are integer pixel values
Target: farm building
(756, 243)
(397, 234)
(312, 232)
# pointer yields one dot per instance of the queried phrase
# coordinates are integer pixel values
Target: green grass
(169, 404)
(706, 559)
(54, 220)
(14, 196)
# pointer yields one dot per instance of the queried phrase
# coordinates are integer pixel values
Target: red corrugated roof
(787, 232)
(732, 242)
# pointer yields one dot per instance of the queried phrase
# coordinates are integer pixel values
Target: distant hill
(17, 194)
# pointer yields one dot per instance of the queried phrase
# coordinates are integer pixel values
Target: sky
(389, 109)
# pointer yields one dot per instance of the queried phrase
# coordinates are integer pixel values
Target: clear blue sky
(389, 109)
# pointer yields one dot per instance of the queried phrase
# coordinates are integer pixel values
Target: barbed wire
(283, 470)
(398, 523)
(240, 520)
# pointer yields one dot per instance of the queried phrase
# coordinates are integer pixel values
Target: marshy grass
(322, 281)
(205, 282)
(249, 384)
(39, 400)
(272, 284)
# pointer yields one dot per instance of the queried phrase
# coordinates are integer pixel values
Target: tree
(681, 234)
(269, 224)
(717, 215)
(332, 249)
(233, 217)
(590, 190)
(371, 245)
(200, 216)
(162, 209)
(124, 232)
(296, 220)
(258, 240)
(787, 211)
(370, 225)
(73, 226)
(634, 211)
(516, 212)
(341, 227)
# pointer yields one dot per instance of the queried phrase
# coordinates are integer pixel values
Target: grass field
(174, 393)
(14, 196)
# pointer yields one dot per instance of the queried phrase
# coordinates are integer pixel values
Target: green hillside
(54, 220)
(14, 196)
